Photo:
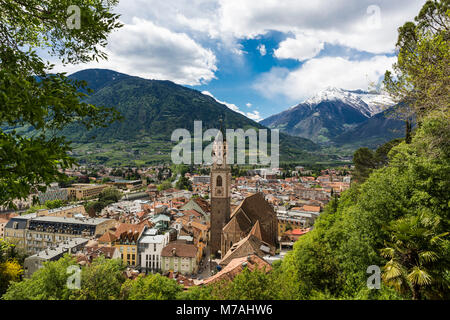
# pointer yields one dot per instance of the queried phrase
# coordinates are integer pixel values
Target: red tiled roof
(179, 249)
(236, 266)
(127, 227)
(311, 208)
(107, 237)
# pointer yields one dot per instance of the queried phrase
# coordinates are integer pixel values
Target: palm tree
(418, 257)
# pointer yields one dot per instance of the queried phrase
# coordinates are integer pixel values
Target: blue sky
(258, 57)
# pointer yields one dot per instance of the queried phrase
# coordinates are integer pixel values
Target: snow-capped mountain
(329, 113)
(369, 104)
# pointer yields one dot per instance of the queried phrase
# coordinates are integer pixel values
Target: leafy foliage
(10, 269)
(400, 212)
(102, 280)
(31, 96)
(151, 287)
(421, 74)
(366, 160)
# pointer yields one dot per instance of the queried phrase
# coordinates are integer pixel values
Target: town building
(52, 253)
(35, 233)
(53, 192)
(126, 184)
(81, 191)
(201, 179)
(150, 246)
(126, 242)
(3, 223)
(68, 212)
(236, 266)
(179, 256)
(253, 210)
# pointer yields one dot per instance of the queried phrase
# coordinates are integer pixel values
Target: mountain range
(152, 110)
(341, 117)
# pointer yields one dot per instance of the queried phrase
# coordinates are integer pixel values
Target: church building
(252, 228)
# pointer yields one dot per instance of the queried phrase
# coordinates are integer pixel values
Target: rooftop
(85, 221)
(63, 247)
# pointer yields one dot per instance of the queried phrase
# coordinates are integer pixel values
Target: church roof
(256, 230)
(239, 223)
(251, 210)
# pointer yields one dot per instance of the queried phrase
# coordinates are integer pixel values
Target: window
(219, 181)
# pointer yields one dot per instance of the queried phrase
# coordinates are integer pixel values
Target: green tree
(418, 253)
(248, 285)
(164, 185)
(333, 258)
(48, 283)
(52, 204)
(10, 269)
(151, 287)
(184, 184)
(421, 75)
(32, 96)
(110, 194)
(102, 280)
(365, 162)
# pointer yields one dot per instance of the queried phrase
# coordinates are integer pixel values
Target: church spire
(221, 128)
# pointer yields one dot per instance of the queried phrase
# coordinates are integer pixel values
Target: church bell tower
(220, 193)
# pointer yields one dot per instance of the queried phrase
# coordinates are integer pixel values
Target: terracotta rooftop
(311, 208)
(128, 227)
(179, 249)
(236, 266)
(107, 237)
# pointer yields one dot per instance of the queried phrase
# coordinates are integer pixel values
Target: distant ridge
(152, 110)
(333, 112)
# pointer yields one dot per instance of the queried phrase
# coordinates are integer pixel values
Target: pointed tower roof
(221, 128)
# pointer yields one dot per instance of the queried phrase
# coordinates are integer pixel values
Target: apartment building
(179, 256)
(68, 212)
(82, 191)
(15, 229)
(3, 223)
(36, 261)
(126, 184)
(150, 246)
(35, 233)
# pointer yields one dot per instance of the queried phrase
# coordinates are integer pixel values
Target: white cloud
(249, 105)
(144, 49)
(301, 48)
(255, 116)
(353, 23)
(317, 74)
(262, 49)
(251, 115)
(172, 39)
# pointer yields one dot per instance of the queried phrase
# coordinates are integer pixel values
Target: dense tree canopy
(421, 77)
(34, 97)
